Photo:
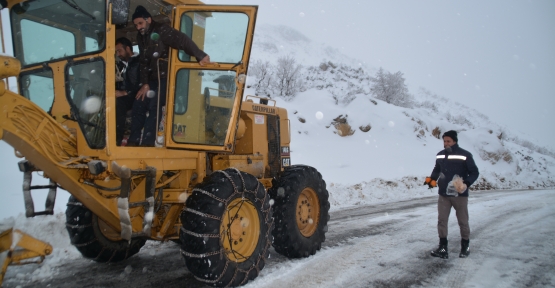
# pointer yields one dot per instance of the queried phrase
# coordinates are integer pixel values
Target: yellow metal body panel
(10, 66)
(16, 246)
(252, 164)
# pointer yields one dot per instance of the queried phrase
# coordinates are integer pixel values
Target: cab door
(204, 102)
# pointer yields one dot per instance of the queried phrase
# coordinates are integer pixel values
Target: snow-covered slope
(393, 156)
(273, 41)
(386, 163)
(389, 161)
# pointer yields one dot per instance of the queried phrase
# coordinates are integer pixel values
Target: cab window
(220, 34)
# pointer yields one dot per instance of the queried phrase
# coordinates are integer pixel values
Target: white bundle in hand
(459, 184)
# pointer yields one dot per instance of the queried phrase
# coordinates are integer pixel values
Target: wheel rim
(108, 231)
(308, 212)
(240, 230)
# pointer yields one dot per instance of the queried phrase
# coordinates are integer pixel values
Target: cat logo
(285, 161)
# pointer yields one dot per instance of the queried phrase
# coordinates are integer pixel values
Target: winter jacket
(131, 78)
(454, 161)
(155, 45)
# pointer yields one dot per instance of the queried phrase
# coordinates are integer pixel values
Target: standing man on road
(454, 172)
(154, 41)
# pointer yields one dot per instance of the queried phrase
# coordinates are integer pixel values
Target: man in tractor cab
(127, 88)
(154, 40)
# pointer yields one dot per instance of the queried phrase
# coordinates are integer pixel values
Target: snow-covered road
(512, 245)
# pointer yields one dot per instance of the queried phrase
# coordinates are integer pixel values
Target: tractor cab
(67, 55)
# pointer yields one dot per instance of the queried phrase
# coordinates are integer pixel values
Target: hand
(462, 188)
(205, 61)
(431, 183)
(120, 93)
(142, 92)
(459, 185)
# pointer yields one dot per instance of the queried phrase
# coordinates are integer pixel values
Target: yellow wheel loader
(219, 180)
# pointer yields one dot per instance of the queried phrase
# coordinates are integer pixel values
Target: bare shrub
(340, 119)
(428, 105)
(507, 157)
(263, 72)
(482, 184)
(459, 119)
(288, 77)
(391, 88)
(495, 156)
(436, 132)
(301, 119)
(533, 147)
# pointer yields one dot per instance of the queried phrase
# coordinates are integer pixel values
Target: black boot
(465, 248)
(441, 251)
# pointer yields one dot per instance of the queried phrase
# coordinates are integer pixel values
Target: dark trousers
(147, 125)
(123, 104)
(444, 205)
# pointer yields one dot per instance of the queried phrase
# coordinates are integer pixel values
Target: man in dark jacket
(127, 88)
(154, 41)
(454, 172)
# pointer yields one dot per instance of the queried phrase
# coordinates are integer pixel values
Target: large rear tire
(94, 238)
(301, 211)
(226, 228)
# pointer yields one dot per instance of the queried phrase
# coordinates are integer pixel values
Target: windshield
(46, 30)
(203, 105)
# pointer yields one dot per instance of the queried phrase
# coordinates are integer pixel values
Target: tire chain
(225, 202)
(99, 254)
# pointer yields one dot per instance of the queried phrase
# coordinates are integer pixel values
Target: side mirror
(120, 12)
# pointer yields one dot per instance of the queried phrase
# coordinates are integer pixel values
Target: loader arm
(48, 146)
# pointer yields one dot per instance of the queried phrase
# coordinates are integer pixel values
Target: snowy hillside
(400, 144)
(391, 158)
(386, 158)
(272, 41)
(394, 155)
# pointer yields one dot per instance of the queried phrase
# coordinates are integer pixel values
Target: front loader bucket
(16, 246)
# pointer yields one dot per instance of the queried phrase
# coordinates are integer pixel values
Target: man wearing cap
(154, 41)
(454, 172)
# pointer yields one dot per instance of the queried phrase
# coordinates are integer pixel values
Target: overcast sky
(497, 56)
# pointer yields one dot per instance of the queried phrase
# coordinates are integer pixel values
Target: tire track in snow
(371, 262)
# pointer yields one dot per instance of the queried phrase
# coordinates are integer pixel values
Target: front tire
(301, 211)
(94, 238)
(226, 228)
